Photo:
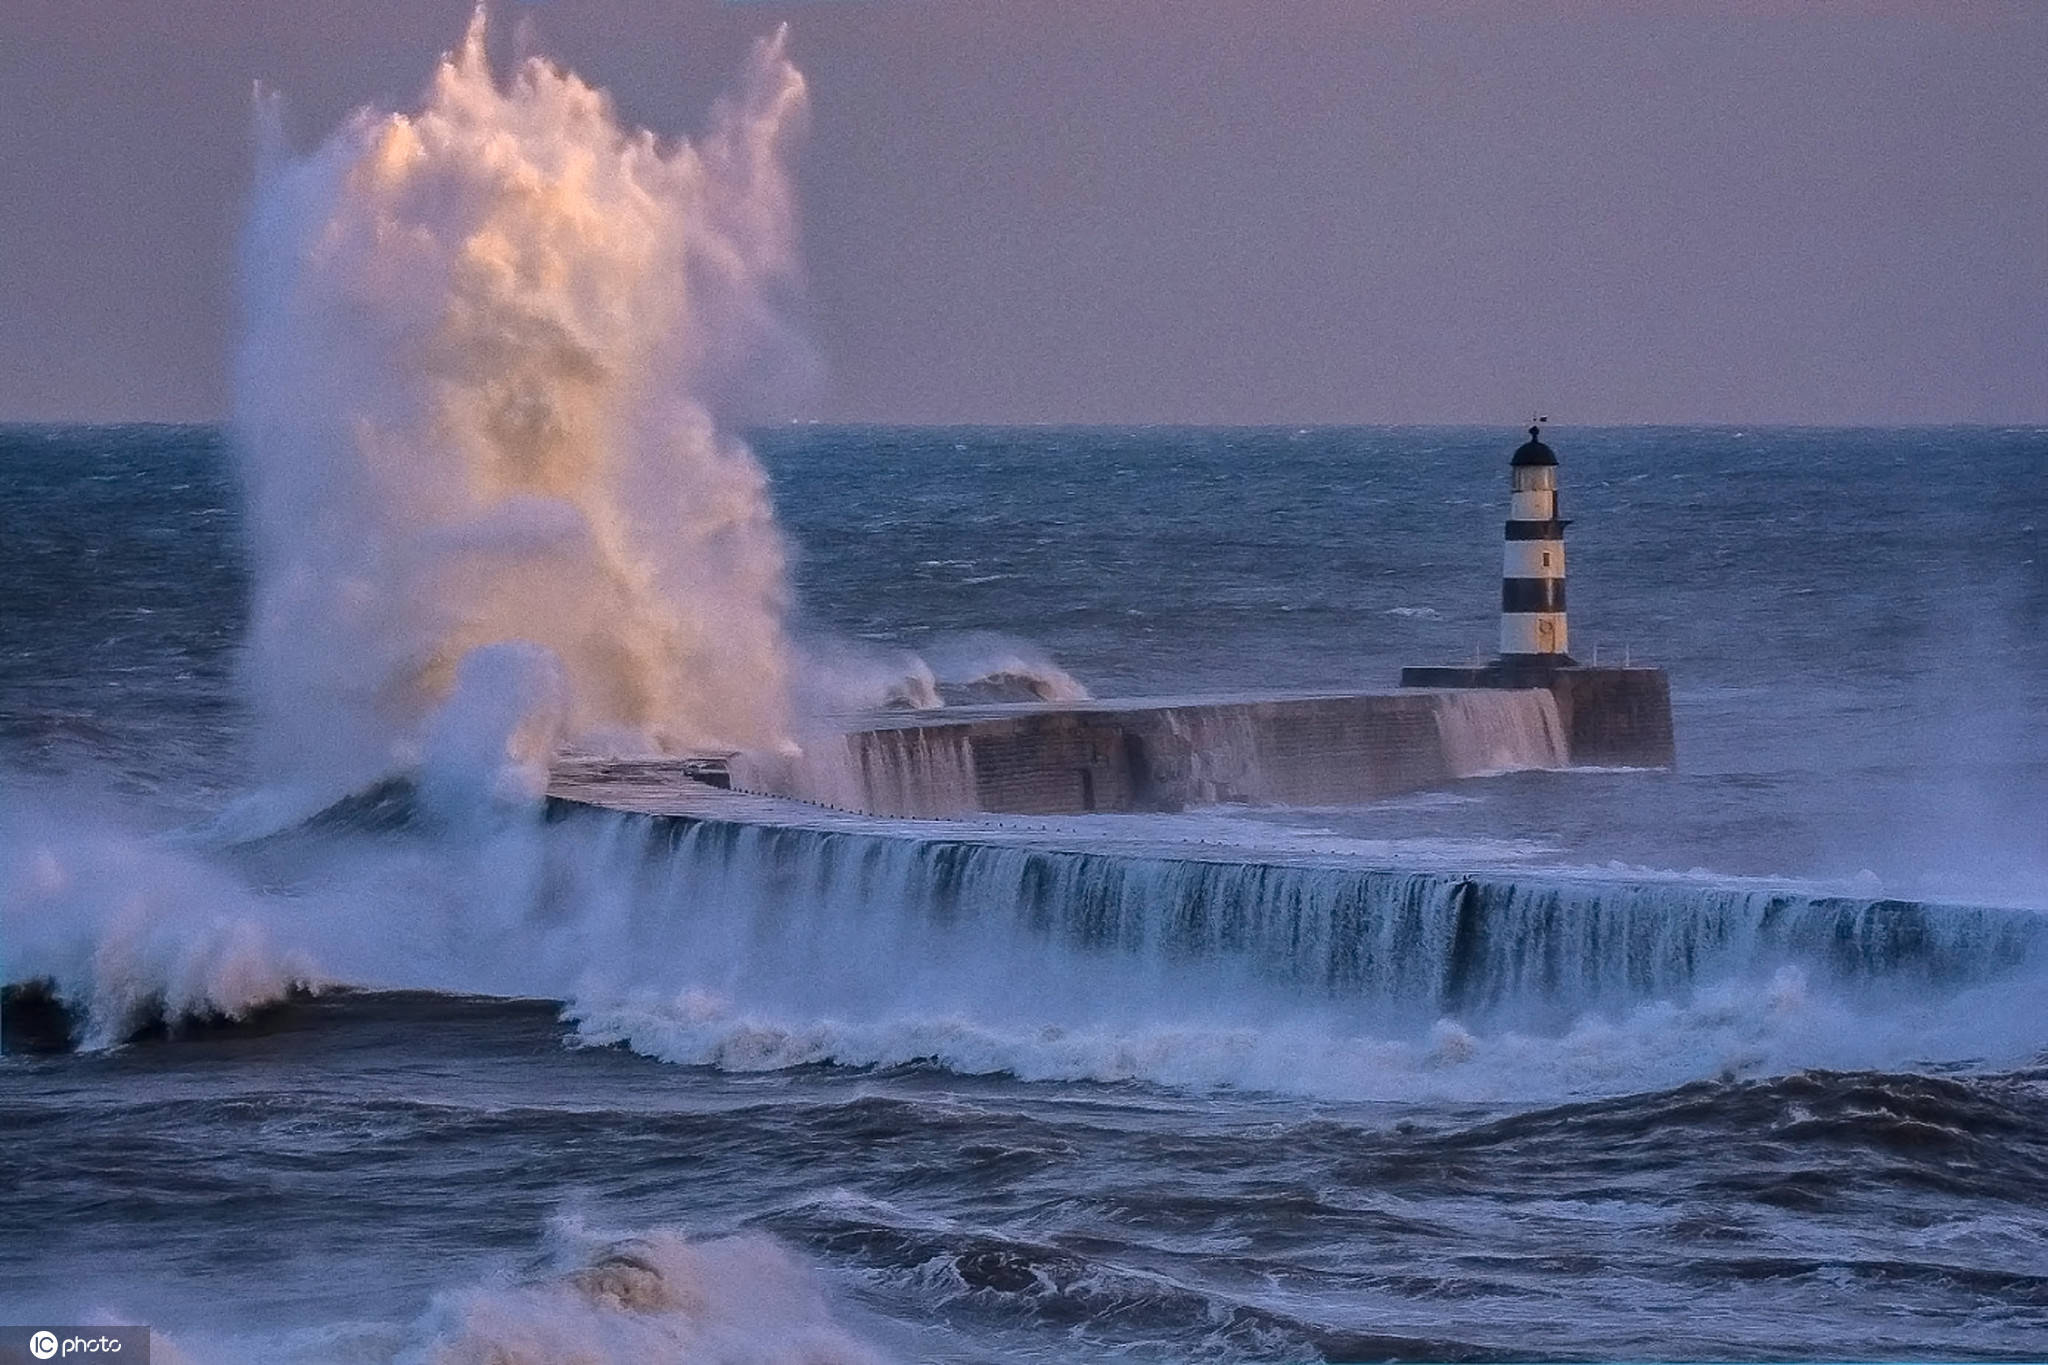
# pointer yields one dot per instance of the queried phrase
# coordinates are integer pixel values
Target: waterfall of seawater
(913, 771)
(756, 945)
(1500, 730)
(1399, 944)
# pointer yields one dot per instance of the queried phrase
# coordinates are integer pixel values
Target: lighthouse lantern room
(1532, 619)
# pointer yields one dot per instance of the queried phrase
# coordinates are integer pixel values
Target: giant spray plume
(477, 403)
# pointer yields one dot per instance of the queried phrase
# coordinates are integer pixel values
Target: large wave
(479, 401)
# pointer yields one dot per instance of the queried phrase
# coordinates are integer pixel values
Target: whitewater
(330, 1036)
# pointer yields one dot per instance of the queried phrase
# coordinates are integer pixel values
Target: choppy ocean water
(851, 1124)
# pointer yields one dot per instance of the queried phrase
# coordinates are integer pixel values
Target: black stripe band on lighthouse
(1532, 619)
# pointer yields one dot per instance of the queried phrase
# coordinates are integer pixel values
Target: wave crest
(649, 1298)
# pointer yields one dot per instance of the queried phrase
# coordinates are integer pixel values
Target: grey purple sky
(1170, 210)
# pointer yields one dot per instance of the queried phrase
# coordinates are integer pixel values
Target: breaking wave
(653, 1296)
(125, 932)
(489, 353)
(492, 353)
(646, 1296)
(843, 676)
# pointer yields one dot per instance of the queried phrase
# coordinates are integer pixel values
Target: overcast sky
(1170, 210)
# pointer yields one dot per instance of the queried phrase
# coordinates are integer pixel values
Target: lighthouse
(1532, 623)
(1608, 715)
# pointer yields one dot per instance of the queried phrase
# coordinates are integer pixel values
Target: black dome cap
(1533, 451)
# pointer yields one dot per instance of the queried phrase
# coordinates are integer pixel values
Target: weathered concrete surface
(1617, 717)
(1613, 717)
(1166, 755)
(1303, 750)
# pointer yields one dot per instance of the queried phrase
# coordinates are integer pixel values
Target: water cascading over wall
(983, 920)
(914, 771)
(1500, 731)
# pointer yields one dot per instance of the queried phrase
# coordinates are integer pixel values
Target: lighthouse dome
(1533, 451)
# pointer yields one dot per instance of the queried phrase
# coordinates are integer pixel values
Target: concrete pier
(1122, 756)
(1322, 749)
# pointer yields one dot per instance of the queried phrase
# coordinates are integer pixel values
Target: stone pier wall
(1311, 750)
(1106, 757)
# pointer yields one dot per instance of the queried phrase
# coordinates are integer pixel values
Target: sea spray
(495, 738)
(913, 771)
(840, 677)
(986, 665)
(1491, 730)
(476, 403)
(125, 932)
(653, 1297)
(653, 1294)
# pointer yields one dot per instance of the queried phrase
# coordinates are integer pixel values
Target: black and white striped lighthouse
(1532, 624)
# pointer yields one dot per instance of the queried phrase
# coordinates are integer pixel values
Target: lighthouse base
(1613, 717)
(1509, 670)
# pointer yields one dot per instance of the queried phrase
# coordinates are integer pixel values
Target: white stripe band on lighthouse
(1532, 618)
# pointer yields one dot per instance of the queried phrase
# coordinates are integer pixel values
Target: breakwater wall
(1164, 756)
(1393, 944)
(1169, 755)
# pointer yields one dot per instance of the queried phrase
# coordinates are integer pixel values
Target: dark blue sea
(371, 1087)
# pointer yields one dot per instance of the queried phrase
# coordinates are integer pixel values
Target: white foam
(646, 1296)
(840, 676)
(494, 737)
(129, 931)
(1762, 1027)
(652, 1297)
(993, 659)
(884, 951)
(488, 347)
